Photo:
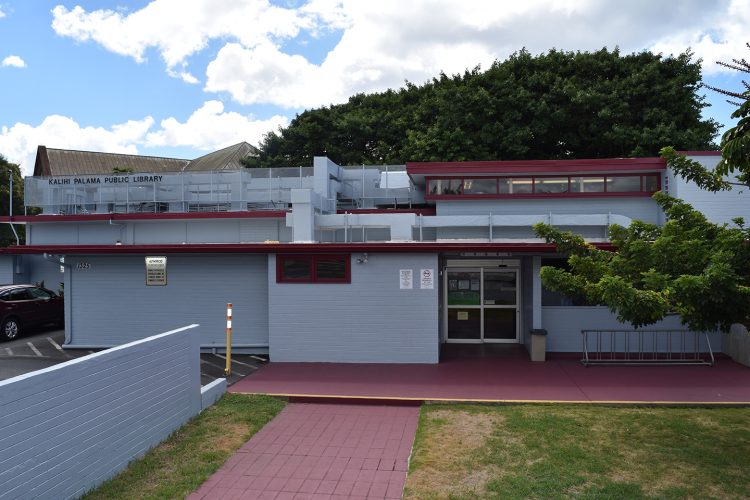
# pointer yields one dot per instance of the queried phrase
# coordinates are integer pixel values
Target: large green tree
(550, 106)
(6, 170)
(690, 266)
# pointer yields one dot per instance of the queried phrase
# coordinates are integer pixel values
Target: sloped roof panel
(223, 159)
(71, 162)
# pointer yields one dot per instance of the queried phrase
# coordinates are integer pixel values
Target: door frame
(481, 268)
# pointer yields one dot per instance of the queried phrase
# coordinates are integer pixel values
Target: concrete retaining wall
(68, 428)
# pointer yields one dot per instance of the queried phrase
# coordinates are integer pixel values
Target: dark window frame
(534, 194)
(313, 259)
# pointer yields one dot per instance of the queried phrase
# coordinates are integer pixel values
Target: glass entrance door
(481, 305)
(500, 305)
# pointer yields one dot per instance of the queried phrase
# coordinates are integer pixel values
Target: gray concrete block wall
(564, 325)
(68, 428)
(42, 270)
(370, 320)
(720, 207)
(7, 267)
(110, 304)
(211, 392)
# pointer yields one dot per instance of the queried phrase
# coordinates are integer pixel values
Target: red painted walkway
(513, 378)
(312, 451)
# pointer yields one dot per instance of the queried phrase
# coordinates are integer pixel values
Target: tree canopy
(690, 266)
(551, 106)
(735, 143)
(6, 234)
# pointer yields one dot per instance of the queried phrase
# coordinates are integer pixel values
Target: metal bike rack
(646, 347)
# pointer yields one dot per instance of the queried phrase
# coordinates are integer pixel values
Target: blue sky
(180, 78)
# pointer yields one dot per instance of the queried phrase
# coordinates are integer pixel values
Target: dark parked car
(23, 306)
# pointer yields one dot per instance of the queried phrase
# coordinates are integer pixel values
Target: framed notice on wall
(156, 271)
(406, 279)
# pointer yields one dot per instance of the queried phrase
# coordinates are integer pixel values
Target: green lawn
(533, 451)
(178, 466)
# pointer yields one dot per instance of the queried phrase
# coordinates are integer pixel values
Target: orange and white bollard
(228, 369)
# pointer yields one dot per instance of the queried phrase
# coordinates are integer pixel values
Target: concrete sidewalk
(316, 451)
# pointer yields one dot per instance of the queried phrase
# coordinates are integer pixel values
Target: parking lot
(43, 347)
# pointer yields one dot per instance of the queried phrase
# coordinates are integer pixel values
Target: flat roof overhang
(431, 247)
(418, 170)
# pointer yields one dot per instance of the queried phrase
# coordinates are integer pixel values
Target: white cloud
(19, 142)
(386, 42)
(2, 14)
(266, 75)
(721, 39)
(177, 29)
(210, 127)
(13, 61)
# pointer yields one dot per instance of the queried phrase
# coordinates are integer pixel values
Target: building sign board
(406, 279)
(156, 271)
(104, 179)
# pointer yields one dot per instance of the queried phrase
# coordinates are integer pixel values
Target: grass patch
(534, 451)
(188, 457)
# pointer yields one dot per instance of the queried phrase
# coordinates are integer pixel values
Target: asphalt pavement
(43, 347)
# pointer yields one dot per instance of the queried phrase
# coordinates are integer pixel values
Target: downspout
(117, 224)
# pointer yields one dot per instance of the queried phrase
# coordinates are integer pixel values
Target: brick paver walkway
(321, 451)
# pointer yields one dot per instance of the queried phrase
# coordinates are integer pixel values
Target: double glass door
(481, 305)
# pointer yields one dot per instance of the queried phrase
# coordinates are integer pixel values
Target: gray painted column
(303, 216)
(536, 292)
(68, 303)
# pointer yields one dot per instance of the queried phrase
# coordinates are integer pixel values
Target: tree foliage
(6, 234)
(735, 144)
(552, 106)
(690, 266)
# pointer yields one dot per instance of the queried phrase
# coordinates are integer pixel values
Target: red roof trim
(493, 167)
(288, 248)
(258, 214)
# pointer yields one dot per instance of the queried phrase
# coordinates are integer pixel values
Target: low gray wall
(211, 392)
(564, 325)
(68, 428)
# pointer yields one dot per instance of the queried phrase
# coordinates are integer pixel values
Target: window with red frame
(313, 268)
(543, 186)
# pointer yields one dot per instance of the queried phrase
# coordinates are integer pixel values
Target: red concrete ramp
(505, 380)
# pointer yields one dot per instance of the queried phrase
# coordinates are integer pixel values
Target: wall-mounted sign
(427, 279)
(405, 279)
(105, 179)
(156, 271)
